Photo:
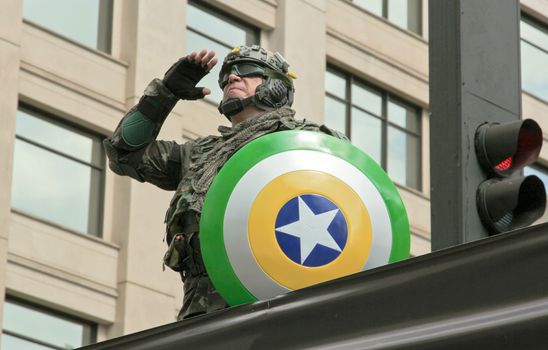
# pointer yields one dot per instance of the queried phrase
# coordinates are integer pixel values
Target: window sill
(412, 191)
(76, 43)
(387, 22)
(66, 229)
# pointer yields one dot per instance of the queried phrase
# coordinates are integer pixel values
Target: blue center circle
(290, 240)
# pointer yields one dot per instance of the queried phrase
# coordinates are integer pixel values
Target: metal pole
(474, 78)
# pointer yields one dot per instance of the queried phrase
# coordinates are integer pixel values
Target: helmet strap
(235, 105)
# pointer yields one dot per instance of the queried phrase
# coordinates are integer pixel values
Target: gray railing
(489, 294)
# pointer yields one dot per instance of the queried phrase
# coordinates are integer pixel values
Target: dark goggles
(242, 70)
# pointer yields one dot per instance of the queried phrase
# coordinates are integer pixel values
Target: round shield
(295, 208)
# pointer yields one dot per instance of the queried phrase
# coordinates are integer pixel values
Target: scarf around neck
(233, 138)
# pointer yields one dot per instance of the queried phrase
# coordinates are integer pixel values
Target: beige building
(81, 248)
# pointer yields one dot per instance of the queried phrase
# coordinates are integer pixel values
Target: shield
(295, 208)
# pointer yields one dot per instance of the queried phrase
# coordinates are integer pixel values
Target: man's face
(241, 87)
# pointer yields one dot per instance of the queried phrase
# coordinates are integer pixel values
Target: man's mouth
(234, 88)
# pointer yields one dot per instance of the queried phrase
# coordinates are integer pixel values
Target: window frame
(384, 16)
(105, 26)
(104, 29)
(533, 22)
(252, 32)
(89, 334)
(542, 27)
(99, 201)
(385, 122)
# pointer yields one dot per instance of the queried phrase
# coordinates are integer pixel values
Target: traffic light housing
(507, 202)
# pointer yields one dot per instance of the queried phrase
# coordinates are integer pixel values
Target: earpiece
(273, 94)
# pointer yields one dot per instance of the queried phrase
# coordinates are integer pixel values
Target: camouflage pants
(200, 296)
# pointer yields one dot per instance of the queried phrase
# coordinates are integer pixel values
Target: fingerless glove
(182, 77)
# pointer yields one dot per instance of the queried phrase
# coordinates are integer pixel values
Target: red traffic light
(505, 164)
(502, 148)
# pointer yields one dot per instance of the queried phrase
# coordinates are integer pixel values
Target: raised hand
(185, 74)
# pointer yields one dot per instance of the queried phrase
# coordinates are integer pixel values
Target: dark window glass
(403, 157)
(30, 327)
(335, 84)
(383, 126)
(366, 98)
(403, 13)
(403, 116)
(534, 58)
(58, 173)
(209, 29)
(335, 113)
(361, 124)
(88, 22)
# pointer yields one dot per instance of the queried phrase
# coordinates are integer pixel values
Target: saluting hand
(181, 79)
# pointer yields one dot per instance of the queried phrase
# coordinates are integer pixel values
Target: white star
(311, 229)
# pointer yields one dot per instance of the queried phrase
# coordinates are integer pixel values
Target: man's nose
(233, 77)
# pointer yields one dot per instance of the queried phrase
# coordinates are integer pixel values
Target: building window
(58, 172)
(211, 30)
(88, 22)
(403, 13)
(383, 126)
(534, 58)
(31, 327)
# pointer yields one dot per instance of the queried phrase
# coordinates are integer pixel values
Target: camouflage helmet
(277, 88)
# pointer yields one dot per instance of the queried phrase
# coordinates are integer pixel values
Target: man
(257, 93)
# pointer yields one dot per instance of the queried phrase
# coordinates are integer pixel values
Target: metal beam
(488, 294)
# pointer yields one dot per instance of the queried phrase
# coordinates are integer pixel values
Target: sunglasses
(241, 70)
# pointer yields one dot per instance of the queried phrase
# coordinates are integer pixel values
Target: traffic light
(507, 202)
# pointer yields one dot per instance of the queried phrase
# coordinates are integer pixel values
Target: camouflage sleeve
(133, 151)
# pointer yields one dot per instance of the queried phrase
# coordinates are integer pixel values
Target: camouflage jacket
(179, 168)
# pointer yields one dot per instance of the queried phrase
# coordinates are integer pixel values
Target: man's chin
(234, 95)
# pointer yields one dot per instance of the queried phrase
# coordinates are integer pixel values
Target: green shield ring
(296, 208)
